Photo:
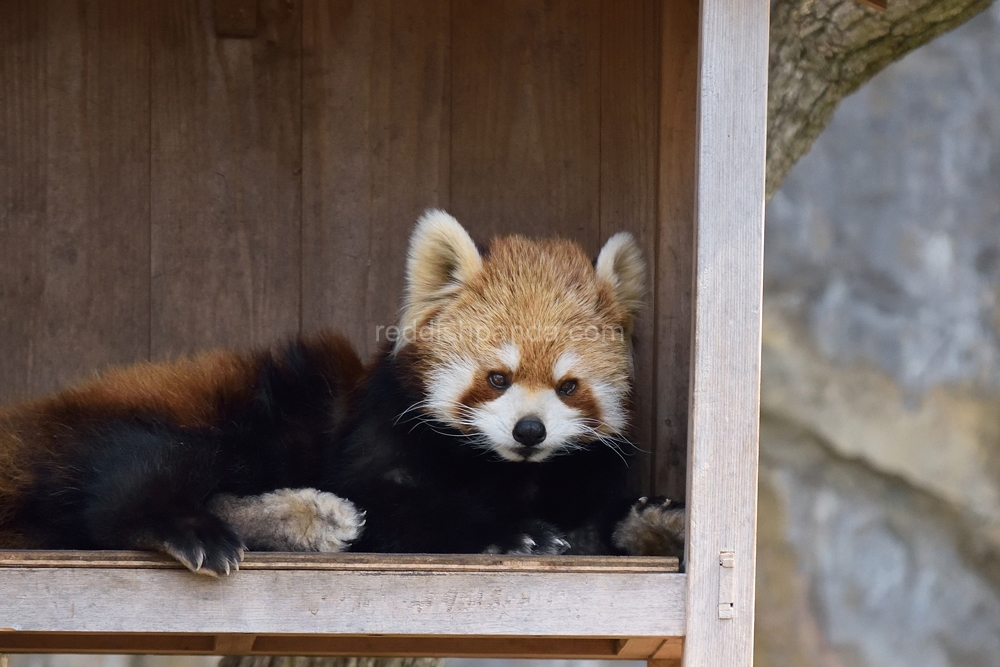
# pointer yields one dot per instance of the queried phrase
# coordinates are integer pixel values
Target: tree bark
(823, 50)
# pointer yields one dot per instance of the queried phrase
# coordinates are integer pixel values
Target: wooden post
(725, 379)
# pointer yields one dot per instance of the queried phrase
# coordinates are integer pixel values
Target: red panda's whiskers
(416, 406)
(611, 441)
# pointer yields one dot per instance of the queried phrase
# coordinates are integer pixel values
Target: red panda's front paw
(292, 519)
(202, 543)
(652, 527)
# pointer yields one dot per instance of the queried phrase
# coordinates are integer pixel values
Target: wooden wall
(164, 189)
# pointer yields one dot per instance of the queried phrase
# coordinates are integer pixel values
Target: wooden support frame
(725, 357)
(709, 220)
(342, 604)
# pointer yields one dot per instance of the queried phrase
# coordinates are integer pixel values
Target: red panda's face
(525, 350)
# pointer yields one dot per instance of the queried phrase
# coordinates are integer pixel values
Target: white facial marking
(445, 386)
(496, 420)
(510, 356)
(611, 403)
(566, 362)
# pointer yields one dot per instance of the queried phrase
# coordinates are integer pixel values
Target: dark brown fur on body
(206, 400)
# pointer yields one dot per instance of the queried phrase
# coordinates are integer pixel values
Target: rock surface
(880, 494)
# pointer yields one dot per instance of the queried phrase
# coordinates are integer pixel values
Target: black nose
(529, 431)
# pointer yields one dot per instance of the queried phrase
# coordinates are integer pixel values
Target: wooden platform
(179, 182)
(344, 604)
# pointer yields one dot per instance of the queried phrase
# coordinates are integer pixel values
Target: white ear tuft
(442, 258)
(621, 264)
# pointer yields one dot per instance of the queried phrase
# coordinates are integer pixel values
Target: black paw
(536, 538)
(202, 543)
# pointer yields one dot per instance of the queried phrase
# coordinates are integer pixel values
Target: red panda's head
(525, 349)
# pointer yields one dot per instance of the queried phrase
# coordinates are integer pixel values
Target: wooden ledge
(146, 560)
(342, 604)
(564, 648)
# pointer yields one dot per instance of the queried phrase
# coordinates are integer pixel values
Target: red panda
(494, 422)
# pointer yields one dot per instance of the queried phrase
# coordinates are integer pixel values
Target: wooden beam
(145, 560)
(725, 377)
(329, 645)
(675, 260)
(638, 648)
(280, 595)
(671, 649)
(234, 644)
(664, 663)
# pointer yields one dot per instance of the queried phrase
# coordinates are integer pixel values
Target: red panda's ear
(442, 258)
(621, 265)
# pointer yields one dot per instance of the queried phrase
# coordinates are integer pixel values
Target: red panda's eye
(567, 388)
(498, 380)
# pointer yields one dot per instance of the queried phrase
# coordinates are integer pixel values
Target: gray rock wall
(880, 484)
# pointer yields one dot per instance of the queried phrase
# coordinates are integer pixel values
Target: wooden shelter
(183, 174)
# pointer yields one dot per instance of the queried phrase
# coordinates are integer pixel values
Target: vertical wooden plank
(226, 190)
(725, 389)
(22, 188)
(413, 152)
(337, 135)
(526, 133)
(95, 305)
(630, 85)
(376, 90)
(675, 243)
(76, 211)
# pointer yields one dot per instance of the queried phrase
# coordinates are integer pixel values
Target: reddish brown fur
(185, 392)
(584, 402)
(480, 392)
(524, 283)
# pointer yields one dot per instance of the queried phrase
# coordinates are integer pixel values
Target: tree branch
(823, 50)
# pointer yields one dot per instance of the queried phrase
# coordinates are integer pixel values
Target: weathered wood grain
(338, 76)
(337, 80)
(630, 84)
(375, 146)
(453, 647)
(671, 649)
(725, 380)
(326, 645)
(675, 243)
(96, 296)
(138, 560)
(673, 662)
(415, 602)
(235, 18)
(526, 118)
(74, 191)
(226, 160)
(638, 648)
(412, 157)
(23, 163)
